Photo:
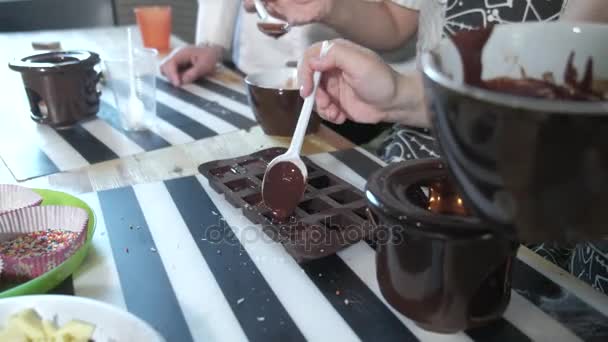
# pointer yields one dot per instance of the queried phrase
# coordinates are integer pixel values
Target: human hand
(356, 84)
(298, 12)
(190, 63)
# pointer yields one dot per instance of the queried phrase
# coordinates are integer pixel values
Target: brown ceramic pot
(440, 267)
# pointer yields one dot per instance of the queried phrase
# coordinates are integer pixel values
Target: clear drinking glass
(137, 107)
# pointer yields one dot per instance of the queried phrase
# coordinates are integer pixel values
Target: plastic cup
(155, 26)
(118, 80)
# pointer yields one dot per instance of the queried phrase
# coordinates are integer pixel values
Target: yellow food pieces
(49, 328)
(75, 331)
(28, 326)
(29, 323)
(13, 334)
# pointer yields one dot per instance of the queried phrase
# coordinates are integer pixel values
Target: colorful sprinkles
(38, 243)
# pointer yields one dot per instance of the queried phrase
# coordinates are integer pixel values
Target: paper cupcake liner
(14, 197)
(29, 262)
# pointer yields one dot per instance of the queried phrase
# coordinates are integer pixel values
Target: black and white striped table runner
(176, 254)
(185, 114)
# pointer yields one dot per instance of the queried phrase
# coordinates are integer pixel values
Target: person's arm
(380, 25)
(357, 85)
(586, 10)
(215, 24)
(214, 30)
(410, 107)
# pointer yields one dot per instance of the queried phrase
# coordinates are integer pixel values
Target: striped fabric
(185, 114)
(176, 254)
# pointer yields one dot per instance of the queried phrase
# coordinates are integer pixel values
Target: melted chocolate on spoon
(275, 30)
(470, 44)
(283, 188)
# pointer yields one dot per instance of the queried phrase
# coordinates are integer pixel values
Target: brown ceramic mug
(275, 100)
(437, 265)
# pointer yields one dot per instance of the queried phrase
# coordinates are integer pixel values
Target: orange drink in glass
(155, 26)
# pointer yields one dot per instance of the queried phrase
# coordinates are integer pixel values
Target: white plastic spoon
(135, 108)
(268, 24)
(278, 190)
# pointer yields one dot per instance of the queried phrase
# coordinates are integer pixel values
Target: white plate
(111, 323)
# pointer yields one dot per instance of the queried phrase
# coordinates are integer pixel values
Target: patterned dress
(438, 18)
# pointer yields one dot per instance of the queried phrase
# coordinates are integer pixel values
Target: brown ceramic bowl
(276, 102)
(439, 266)
(535, 167)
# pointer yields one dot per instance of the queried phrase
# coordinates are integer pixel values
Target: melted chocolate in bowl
(437, 265)
(530, 163)
(283, 189)
(470, 46)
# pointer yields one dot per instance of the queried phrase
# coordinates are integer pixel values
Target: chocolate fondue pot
(61, 86)
(439, 266)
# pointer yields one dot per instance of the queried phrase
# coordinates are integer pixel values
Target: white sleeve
(216, 21)
(411, 4)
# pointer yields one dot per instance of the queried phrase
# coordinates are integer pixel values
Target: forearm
(586, 10)
(216, 21)
(409, 106)
(379, 25)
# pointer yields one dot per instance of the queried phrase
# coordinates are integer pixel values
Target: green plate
(51, 279)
